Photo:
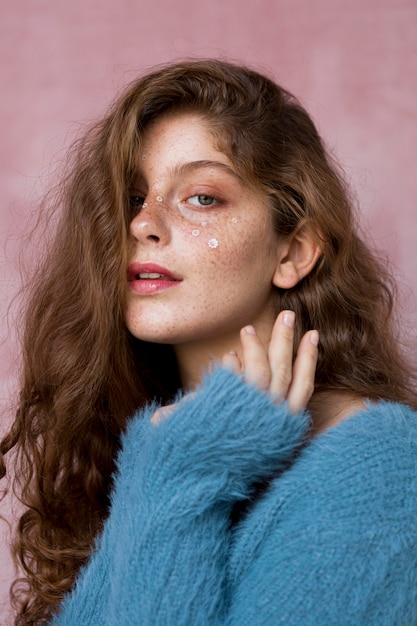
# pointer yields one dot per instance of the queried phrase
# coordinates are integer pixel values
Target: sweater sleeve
(163, 555)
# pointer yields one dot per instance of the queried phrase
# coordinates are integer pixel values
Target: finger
(304, 370)
(232, 362)
(256, 368)
(280, 354)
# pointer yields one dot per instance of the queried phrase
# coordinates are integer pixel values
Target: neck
(329, 408)
(195, 359)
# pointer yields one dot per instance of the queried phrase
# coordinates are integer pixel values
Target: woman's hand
(272, 369)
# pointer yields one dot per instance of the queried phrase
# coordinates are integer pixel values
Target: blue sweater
(331, 539)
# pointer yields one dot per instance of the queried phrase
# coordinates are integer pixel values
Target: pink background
(353, 63)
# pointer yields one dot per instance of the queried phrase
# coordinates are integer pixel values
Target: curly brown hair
(83, 373)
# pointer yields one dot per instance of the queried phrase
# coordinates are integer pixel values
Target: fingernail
(314, 337)
(250, 330)
(233, 353)
(289, 319)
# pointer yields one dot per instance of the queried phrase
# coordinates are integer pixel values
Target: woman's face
(202, 246)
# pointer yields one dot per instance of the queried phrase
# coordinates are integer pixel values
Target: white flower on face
(213, 243)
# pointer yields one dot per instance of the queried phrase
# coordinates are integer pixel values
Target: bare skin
(271, 370)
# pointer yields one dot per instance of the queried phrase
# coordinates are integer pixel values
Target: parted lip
(135, 269)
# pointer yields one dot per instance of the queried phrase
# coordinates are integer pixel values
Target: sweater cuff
(227, 431)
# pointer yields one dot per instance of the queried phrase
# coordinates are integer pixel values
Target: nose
(151, 223)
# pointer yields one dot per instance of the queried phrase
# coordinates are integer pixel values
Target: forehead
(180, 130)
(182, 141)
(180, 144)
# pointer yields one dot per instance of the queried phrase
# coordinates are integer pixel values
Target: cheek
(228, 247)
(203, 238)
(232, 242)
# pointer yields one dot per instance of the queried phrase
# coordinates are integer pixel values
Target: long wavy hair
(83, 374)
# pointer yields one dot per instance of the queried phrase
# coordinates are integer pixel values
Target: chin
(156, 335)
(172, 335)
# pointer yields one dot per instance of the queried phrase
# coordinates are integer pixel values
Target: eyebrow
(192, 166)
(186, 168)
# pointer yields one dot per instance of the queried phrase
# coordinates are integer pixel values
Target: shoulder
(364, 468)
(355, 483)
(382, 419)
(360, 473)
(335, 536)
(377, 441)
(384, 431)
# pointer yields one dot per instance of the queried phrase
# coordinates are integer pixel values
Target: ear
(297, 256)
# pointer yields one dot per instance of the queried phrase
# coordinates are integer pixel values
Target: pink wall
(352, 62)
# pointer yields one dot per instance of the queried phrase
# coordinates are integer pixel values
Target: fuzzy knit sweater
(330, 538)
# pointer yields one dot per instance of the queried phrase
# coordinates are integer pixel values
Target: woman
(206, 236)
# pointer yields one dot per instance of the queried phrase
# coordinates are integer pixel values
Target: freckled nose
(142, 229)
(150, 225)
(141, 224)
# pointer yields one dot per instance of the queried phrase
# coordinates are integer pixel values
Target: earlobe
(297, 256)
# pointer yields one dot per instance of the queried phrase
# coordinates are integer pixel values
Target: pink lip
(149, 286)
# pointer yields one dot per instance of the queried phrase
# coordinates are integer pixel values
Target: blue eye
(202, 200)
